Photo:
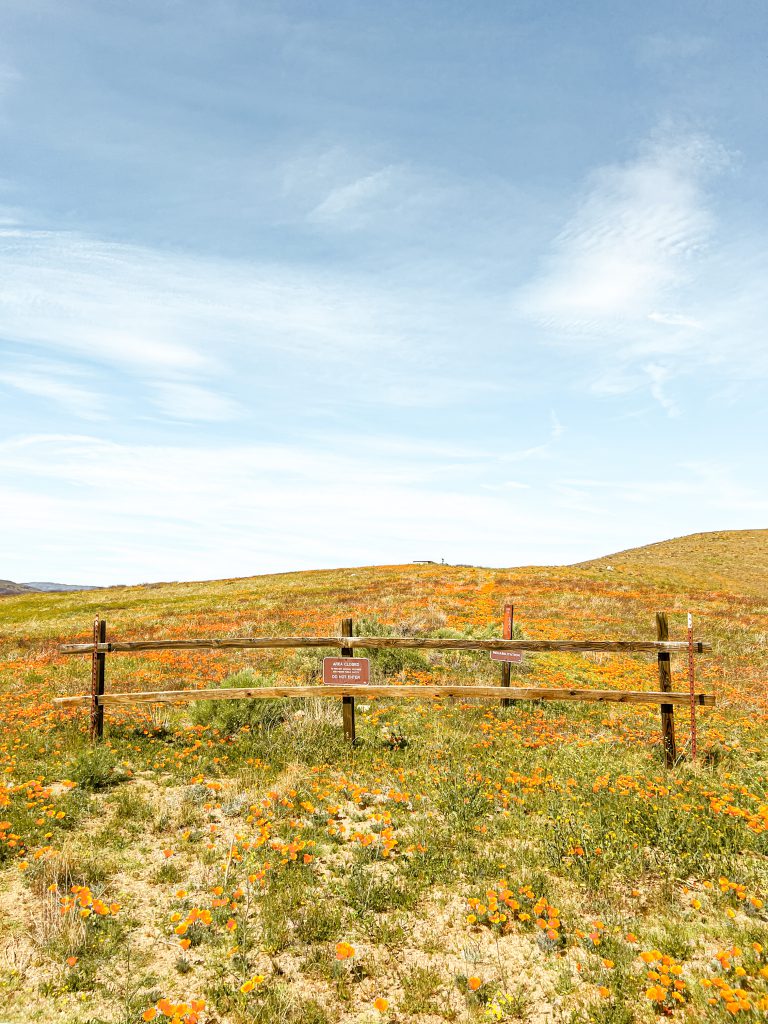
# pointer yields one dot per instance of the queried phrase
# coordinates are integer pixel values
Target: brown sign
(515, 657)
(338, 671)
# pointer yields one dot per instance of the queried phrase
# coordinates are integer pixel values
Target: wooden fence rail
(365, 690)
(378, 642)
(663, 647)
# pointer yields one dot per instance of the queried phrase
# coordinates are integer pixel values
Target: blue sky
(300, 285)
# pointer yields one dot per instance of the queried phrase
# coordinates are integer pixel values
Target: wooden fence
(662, 646)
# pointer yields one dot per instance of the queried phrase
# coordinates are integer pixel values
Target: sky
(297, 285)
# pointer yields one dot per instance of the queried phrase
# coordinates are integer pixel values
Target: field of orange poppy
(233, 861)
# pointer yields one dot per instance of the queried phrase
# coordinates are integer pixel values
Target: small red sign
(339, 671)
(515, 657)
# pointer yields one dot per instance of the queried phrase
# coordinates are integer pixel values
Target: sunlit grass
(481, 863)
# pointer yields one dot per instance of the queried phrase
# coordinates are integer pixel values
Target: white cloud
(55, 382)
(658, 376)
(652, 377)
(430, 391)
(537, 451)
(631, 241)
(647, 285)
(700, 485)
(506, 485)
(140, 308)
(181, 331)
(676, 320)
(343, 189)
(191, 402)
(348, 202)
(80, 508)
(132, 512)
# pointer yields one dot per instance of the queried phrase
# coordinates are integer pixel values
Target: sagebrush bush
(96, 768)
(389, 661)
(261, 713)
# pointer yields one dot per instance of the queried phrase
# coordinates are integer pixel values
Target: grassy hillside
(463, 862)
(736, 558)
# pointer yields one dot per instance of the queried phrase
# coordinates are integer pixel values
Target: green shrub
(490, 631)
(390, 661)
(261, 713)
(96, 768)
(420, 987)
(130, 805)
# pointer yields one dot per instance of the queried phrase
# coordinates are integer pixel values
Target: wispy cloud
(142, 307)
(430, 391)
(201, 511)
(545, 450)
(348, 203)
(648, 377)
(647, 283)
(59, 383)
(193, 323)
(700, 482)
(630, 243)
(102, 511)
(193, 402)
(659, 375)
(345, 189)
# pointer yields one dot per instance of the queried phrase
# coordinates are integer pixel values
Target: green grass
(265, 801)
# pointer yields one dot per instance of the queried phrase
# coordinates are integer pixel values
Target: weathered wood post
(665, 685)
(506, 668)
(98, 671)
(691, 687)
(348, 703)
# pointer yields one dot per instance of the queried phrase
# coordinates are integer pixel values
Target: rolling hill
(726, 557)
(8, 587)
(463, 862)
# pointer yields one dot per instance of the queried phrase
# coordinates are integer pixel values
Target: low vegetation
(232, 862)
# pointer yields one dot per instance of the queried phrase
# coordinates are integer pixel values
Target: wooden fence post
(348, 703)
(98, 671)
(506, 668)
(665, 685)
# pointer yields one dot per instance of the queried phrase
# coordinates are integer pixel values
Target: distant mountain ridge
(8, 587)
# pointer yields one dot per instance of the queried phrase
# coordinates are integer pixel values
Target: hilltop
(727, 558)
